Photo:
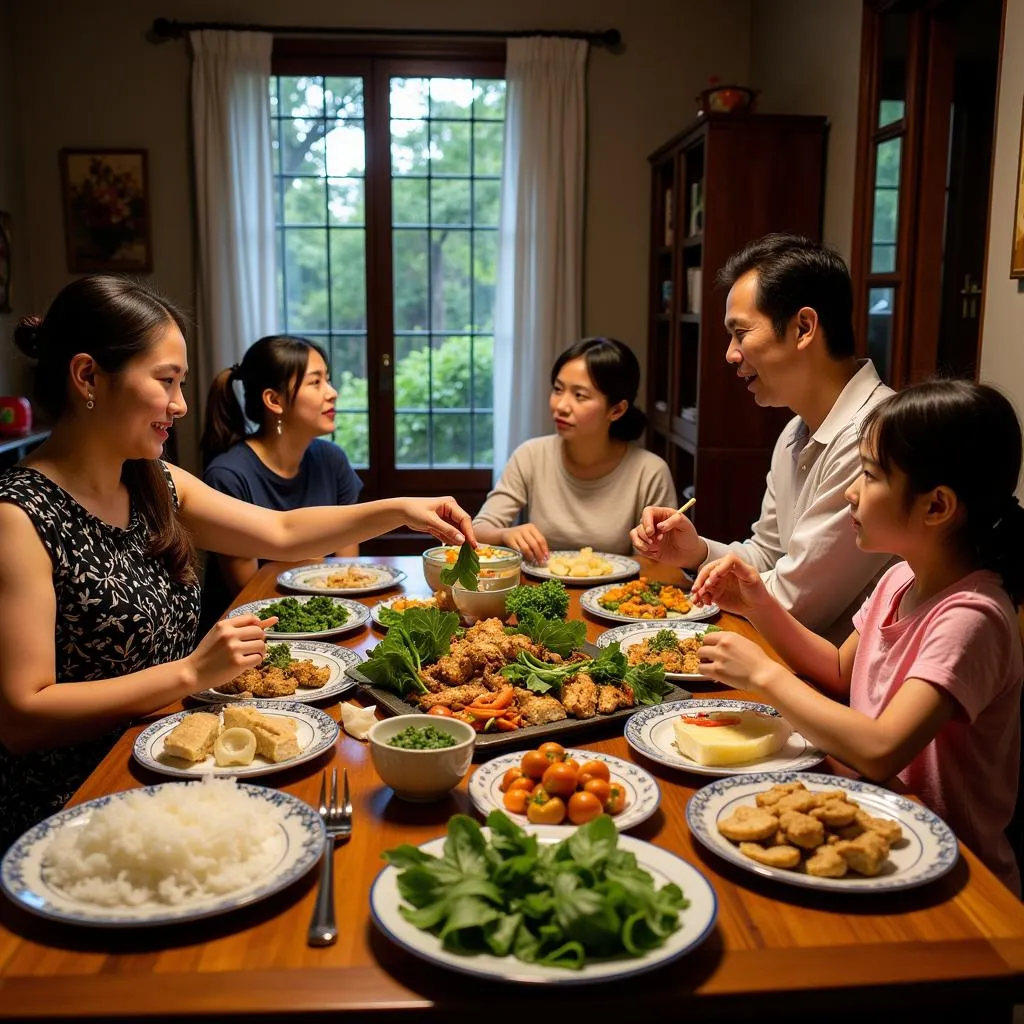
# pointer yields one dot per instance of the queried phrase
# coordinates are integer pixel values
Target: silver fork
(338, 821)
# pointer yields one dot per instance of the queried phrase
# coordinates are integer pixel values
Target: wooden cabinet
(719, 184)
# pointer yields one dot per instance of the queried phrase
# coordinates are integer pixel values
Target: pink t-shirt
(966, 641)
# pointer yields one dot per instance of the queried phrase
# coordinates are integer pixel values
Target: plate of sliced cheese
(720, 737)
(244, 739)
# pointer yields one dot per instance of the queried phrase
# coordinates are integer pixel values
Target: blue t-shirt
(325, 477)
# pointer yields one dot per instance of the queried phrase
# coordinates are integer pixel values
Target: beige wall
(1002, 334)
(805, 59)
(87, 77)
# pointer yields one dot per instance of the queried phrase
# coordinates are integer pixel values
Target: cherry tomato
(515, 800)
(526, 784)
(509, 777)
(593, 770)
(616, 799)
(545, 810)
(534, 764)
(583, 807)
(441, 711)
(559, 779)
(573, 763)
(601, 788)
(552, 751)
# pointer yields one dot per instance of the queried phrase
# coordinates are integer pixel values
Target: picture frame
(1017, 252)
(6, 257)
(106, 210)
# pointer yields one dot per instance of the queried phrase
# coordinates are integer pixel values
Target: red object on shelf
(726, 99)
(15, 415)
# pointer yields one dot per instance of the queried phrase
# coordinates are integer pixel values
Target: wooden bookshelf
(717, 185)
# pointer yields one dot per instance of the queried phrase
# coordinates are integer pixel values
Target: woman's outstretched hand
(442, 518)
(232, 646)
(732, 584)
(528, 541)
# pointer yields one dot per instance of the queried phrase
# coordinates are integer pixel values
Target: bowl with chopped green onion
(422, 757)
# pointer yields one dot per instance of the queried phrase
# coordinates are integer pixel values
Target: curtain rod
(166, 28)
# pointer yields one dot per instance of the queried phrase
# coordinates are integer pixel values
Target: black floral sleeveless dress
(118, 611)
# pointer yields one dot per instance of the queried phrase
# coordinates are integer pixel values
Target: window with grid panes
(442, 185)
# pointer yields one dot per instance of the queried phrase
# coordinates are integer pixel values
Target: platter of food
(340, 577)
(536, 952)
(720, 737)
(244, 739)
(822, 832)
(669, 642)
(584, 567)
(307, 617)
(644, 600)
(163, 854)
(294, 670)
(401, 603)
(631, 795)
(509, 685)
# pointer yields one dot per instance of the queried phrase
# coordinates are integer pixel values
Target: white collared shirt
(804, 544)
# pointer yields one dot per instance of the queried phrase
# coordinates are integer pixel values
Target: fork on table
(337, 819)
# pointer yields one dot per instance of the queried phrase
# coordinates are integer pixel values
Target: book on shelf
(693, 285)
(696, 207)
(669, 232)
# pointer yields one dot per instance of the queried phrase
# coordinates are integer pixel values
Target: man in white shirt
(789, 318)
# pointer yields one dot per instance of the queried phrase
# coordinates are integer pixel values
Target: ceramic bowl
(421, 775)
(495, 562)
(487, 602)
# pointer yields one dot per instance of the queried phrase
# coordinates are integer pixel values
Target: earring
(90, 404)
(278, 428)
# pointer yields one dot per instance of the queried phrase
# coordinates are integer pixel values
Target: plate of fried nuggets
(819, 831)
(316, 672)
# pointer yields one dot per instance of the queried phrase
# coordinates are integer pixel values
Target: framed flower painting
(106, 210)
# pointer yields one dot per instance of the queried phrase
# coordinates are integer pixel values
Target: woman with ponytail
(284, 464)
(99, 600)
(588, 483)
(927, 688)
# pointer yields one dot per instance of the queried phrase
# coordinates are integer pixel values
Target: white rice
(177, 844)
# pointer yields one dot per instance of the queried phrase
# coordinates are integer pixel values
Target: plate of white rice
(163, 854)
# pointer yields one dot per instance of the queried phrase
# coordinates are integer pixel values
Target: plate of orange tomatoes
(555, 786)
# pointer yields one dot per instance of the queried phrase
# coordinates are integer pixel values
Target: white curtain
(236, 275)
(538, 304)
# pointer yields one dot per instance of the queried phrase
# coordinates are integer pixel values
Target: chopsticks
(686, 507)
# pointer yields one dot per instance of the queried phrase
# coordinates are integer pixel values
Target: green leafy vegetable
(466, 569)
(647, 683)
(419, 637)
(663, 640)
(313, 616)
(553, 904)
(561, 637)
(278, 656)
(549, 600)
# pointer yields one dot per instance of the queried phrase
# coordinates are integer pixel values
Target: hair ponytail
(1001, 549)
(629, 426)
(225, 422)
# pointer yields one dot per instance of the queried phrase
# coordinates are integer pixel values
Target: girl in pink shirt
(927, 687)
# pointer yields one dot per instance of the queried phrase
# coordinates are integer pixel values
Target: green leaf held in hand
(465, 571)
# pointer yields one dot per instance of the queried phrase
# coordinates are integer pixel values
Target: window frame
(377, 61)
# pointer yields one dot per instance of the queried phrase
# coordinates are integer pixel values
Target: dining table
(954, 945)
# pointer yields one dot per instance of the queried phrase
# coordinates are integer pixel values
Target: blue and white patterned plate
(622, 568)
(649, 732)
(300, 843)
(642, 792)
(696, 922)
(358, 616)
(927, 851)
(589, 601)
(389, 601)
(315, 732)
(637, 632)
(331, 656)
(313, 579)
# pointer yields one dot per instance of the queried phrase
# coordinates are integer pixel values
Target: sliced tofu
(275, 736)
(192, 739)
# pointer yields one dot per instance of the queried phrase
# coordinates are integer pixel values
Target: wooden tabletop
(776, 950)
